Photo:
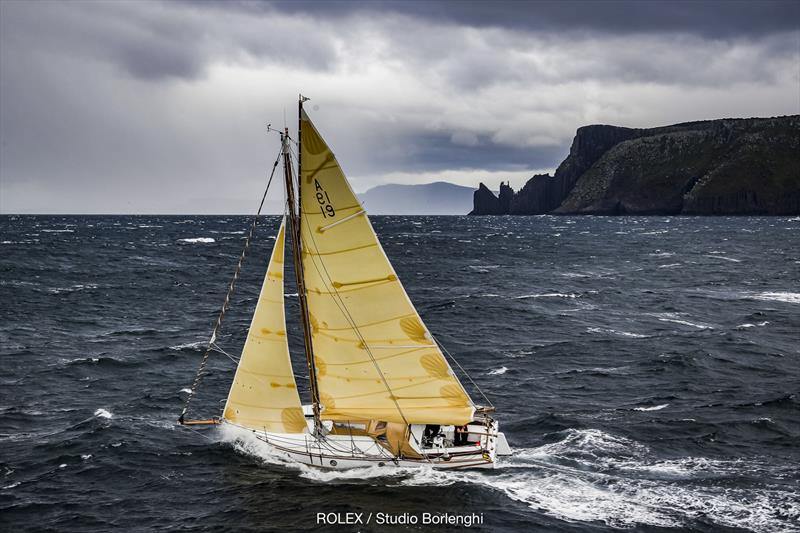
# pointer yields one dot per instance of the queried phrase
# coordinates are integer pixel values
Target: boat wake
(592, 476)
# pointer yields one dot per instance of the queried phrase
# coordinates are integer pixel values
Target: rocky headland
(713, 167)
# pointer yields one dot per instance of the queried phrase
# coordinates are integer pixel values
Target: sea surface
(646, 371)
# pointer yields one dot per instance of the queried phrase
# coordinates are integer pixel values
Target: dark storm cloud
(713, 19)
(160, 41)
(421, 152)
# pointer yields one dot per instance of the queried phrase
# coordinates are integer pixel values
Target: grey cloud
(713, 19)
(161, 41)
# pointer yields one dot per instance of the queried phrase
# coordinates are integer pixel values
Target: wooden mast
(294, 224)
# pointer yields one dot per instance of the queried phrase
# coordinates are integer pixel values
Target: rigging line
(216, 348)
(226, 304)
(462, 370)
(343, 308)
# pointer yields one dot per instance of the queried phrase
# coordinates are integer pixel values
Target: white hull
(340, 452)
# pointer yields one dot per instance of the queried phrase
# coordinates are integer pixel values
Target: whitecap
(654, 408)
(198, 240)
(102, 413)
(749, 325)
(498, 371)
(731, 259)
(73, 288)
(188, 346)
(548, 295)
(779, 296)
(616, 332)
(675, 319)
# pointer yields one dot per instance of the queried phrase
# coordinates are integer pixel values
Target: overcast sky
(161, 107)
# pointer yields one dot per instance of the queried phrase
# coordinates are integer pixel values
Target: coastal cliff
(715, 167)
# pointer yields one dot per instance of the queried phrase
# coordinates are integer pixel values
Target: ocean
(645, 370)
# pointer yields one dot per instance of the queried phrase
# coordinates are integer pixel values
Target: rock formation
(715, 167)
(484, 202)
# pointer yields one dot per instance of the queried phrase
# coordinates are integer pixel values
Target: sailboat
(382, 391)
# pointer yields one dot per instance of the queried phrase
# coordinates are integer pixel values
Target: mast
(294, 224)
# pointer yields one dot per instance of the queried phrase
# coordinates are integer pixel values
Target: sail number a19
(324, 201)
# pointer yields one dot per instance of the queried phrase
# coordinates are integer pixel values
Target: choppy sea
(646, 371)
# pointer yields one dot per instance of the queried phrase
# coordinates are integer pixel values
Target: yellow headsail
(374, 357)
(264, 394)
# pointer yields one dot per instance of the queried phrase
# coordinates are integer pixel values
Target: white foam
(748, 325)
(731, 259)
(498, 371)
(548, 295)
(58, 231)
(675, 318)
(198, 239)
(188, 345)
(779, 296)
(616, 332)
(654, 408)
(73, 288)
(102, 413)
(587, 476)
(686, 323)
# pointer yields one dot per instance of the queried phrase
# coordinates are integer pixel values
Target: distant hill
(439, 198)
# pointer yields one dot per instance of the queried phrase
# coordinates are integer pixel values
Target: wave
(617, 332)
(189, 346)
(73, 288)
(686, 323)
(588, 476)
(779, 296)
(677, 318)
(654, 408)
(548, 295)
(731, 259)
(750, 325)
(194, 240)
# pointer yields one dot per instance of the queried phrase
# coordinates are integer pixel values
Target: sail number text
(324, 201)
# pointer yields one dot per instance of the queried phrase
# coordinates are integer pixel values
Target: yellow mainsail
(375, 359)
(264, 394)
